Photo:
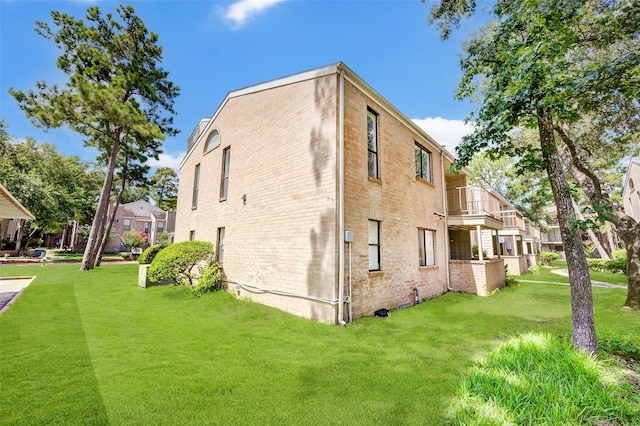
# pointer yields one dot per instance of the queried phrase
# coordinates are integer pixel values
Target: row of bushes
(188, 263)
(616, 266)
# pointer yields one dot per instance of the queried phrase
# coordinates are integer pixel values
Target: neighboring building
(11, 214)
(631, 192)
(551, 238)
(140, 216)
(323, 200)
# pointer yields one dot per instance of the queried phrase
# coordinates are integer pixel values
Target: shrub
(133, 239)
(175, 263)
(620, 253)
(147, 256)
(597, 264)
(547, 256)
(617, 265)
(623, 346)
(209, 281)
(535, 269)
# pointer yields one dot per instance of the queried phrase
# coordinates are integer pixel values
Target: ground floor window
(426, 247)
(374, 245)
(192, 235)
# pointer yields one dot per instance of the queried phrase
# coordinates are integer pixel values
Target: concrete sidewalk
(565, 273)
(10, 289)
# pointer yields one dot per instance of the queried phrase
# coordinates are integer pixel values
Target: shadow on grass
(45, 367)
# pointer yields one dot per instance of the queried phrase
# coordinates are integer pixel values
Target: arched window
(631, 186)
(212, 141)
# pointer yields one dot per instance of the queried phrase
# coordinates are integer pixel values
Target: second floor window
(224, 184)
(196, 185)
(372, 143)
(423, 163)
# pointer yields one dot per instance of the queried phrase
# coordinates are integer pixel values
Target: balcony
(472, 201)
(471, 206)
(512, 219)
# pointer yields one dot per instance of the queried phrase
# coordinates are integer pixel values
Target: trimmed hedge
(615, 266)
(150, 253)
(547, 256)
(187, 263)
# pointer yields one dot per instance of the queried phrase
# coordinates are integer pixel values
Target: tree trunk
(19, 231)
(582, 318)
(627, 226)
(105, 236)
(612, 245)
(64, 236)
(74, 229)
(93, 242)
(592, 236)
(630, 234)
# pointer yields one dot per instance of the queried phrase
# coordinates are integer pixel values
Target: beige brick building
(321, 198)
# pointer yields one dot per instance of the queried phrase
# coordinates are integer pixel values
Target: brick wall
(477, 277)
(282, 235)
(400, 201)
(517, 264)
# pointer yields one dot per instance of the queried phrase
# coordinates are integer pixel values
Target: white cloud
(241, 11)
(167, 160)
(446, 132)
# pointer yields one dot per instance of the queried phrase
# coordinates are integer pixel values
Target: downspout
(446, 226)
(341, 203)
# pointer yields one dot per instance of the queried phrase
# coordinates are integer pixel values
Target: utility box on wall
(348, 236)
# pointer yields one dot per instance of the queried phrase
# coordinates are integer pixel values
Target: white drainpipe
(341, 204)
(446, 226)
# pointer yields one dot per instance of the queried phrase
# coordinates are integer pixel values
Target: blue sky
(213, 47)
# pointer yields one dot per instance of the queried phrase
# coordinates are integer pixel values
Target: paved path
(10, 289)
(565, 273)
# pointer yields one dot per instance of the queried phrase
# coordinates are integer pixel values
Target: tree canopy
(117, 95)
(549, 65)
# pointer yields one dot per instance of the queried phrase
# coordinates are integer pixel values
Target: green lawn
(546, 275)
(91, 348)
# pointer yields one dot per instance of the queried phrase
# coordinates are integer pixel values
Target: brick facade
(281, 213)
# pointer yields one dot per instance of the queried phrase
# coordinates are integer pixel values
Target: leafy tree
(129, 171)
(55, 188)
(576, 74)
(164, 188)
(117, 95)
(133, 239)
(537, 68)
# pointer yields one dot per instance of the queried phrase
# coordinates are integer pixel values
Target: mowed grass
(546, 275)
(91, 348)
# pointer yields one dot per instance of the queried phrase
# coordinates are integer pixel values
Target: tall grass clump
(538, 378)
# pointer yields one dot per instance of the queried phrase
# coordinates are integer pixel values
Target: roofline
(335, 68)
(16, 203)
